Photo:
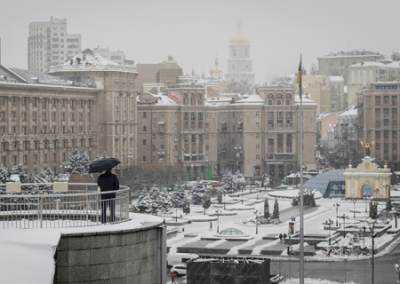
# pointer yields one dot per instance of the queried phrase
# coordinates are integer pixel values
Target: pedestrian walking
(280, 237)
(284, 236)
(108, 182)
(173, 277)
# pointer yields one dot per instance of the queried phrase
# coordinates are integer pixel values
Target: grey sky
(194, 32)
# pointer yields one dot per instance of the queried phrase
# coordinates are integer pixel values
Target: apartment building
(364, 73)
(379, 116)
(178, 129)
(49, 44)
(338, 63)
(260, 133)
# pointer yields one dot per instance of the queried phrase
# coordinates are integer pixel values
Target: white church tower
(240, 66)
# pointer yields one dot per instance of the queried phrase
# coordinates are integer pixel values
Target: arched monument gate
(367, 179)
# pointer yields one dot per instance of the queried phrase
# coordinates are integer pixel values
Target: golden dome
(239, 38)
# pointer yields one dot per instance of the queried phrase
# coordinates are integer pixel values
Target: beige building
(338, 63)
(49, 44)
(379, 117)
(260, 133)
(42, 119)
(326, 91)
(364, 73)
(178, 129)
(116, 104)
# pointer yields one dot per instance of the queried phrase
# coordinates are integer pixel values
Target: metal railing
(38, 206)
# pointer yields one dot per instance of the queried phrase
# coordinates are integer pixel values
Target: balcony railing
(80, 206)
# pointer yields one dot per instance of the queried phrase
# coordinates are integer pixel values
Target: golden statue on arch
(367, 147)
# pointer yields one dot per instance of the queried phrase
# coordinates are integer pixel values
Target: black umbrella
(101, 165)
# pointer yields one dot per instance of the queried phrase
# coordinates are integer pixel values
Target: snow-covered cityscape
(176, 142)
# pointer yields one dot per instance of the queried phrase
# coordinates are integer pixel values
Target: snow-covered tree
(186, 206)
(197, 193)
(275, 213)
(78, 162)
(206, 201)
(154, 200)
(3, 174)
(144, 201)
(178, 195)
(266, 209)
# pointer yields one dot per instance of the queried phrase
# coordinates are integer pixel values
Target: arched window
(279, 100)
(270, 100)
(288, 99)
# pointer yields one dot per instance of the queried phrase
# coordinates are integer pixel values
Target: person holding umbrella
(108, 182)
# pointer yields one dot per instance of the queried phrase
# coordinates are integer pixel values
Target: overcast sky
(195, 32)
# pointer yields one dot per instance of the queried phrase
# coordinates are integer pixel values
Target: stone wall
(122, 257)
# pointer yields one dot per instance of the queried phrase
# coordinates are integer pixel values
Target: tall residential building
(379, 117)
(240, 66)
(364, 73)
(49, 44)
(338, 63)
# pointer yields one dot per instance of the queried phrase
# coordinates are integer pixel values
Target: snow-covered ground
(313, 224)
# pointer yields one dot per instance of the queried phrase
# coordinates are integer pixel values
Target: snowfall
(28, 254)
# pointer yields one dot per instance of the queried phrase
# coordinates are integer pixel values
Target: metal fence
(39, 206)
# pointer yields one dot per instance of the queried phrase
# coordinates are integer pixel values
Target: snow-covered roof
(88, 57)
(305, 100)
(336, 79)
(163, 99)
(351, 111)
(251, 99)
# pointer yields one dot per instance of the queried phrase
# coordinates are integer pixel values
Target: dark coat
(108, 182)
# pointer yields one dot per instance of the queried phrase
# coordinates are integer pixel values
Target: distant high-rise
(49, 44)
(240, 66)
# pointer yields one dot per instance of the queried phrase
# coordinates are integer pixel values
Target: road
(359, 272)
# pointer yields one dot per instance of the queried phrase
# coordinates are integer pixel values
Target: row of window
(56, 144)
(386, 100)
(45, 130)
(51, 103)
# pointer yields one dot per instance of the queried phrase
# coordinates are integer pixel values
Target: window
(257, 113)
(145, 128)
(144, 114)
(144, 142)
(144, 158)
(377, 134)
(257, 157)
(257, 146)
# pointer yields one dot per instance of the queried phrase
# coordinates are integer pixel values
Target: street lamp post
(329, 223)
(344, 217)
(242, 193)
(354, 211)
(337, 208)
(366, 201)
(224, 199)
(217, 212)
(256, 212)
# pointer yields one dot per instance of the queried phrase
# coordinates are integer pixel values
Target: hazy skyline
(195, 32)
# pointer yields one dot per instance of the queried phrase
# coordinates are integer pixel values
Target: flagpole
(301, 276)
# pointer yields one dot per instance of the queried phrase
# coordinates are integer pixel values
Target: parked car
(179, 269)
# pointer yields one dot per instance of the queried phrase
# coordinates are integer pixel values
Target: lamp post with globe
(337, 205)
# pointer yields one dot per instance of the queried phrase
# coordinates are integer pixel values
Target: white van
(177, 258)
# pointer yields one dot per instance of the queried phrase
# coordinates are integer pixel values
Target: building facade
(260, 134)
(338, 63)
(92, 107)
(364, 73)
(178, 129)
(379, 117)
(49, 44)
(240, 66)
